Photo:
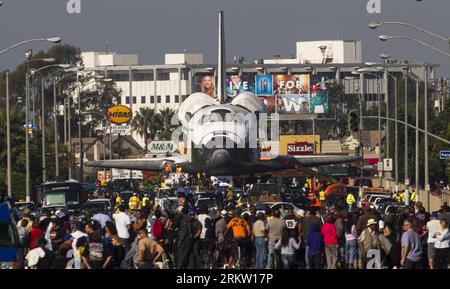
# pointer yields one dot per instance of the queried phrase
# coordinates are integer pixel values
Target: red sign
(300, 148)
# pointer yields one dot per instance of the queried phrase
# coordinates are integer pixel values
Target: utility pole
(27, 140)
(44, 169)
(405, 75)
(427, 182)
(55, 123)
(8, 138)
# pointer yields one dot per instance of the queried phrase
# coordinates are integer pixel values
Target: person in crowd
(288, 246)
(259, 238)
(274, 229)
(432, 227)
(118, 252)
(311, 218)
(316, 245)
(330, 241)
(411, 247)
(441, 245)
(351, 243)
(123, 224)
(149, 250)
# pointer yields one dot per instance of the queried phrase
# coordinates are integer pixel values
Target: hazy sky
(254, 28)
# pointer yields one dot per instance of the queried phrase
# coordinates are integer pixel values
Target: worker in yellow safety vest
(322, 198)
(413, 197)
(403, 197)
(350, 201)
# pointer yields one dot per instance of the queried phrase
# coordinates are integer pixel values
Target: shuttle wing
(313, 161)
(146, 164)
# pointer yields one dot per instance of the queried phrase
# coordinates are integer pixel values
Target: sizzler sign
(300, 148)
(119, 114)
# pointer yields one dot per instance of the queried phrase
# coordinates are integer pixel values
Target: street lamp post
(389, 37)
(375, 25)
(51, 39)
(34, 72)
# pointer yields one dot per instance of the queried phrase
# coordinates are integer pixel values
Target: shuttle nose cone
(220, 157)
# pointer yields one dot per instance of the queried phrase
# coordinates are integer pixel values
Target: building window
(167, 98)
(177, 98)
(152, 99)
(142, 99)
(158, 98)
(184, 97)
(134, 99)
(127, 99)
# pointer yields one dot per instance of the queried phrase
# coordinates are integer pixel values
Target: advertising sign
(298, 144)
(300, 148)
(119, 114)
(264, 85)
(120, 129)
(292, 93)
(291, 84)
(162, 147)
(318, 102)
(121, 174)
(293, 104)
(236, 85)
(269, 102)
(205, 84)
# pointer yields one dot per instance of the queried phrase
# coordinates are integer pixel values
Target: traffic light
(354, 122)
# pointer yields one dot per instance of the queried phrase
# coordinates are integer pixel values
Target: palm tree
(146, 123)
(166, 116)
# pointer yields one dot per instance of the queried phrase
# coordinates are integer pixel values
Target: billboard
(319, 95)
(236, 84)
(293, 104)
(298, 144)
(269, 102)
(291, 84)
(292, 93)
(205, 84)
(264, 85)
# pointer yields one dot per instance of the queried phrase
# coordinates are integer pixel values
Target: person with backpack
(157, 227)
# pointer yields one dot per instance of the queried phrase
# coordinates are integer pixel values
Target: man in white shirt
(78, 233)
(201, 217)
(432, 227)
(123, 222)
(101, 218)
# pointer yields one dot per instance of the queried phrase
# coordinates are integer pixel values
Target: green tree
(166, 116)
(146, 123)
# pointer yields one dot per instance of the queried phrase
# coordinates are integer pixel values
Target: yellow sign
(290, 141)
(119, 114)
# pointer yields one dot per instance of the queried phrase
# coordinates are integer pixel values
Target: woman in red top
(331, 242)
(36, 233)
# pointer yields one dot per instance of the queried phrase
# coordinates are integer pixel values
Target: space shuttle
(222, 136)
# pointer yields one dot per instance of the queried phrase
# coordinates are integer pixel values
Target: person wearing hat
(432, 228)
(368, 240)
